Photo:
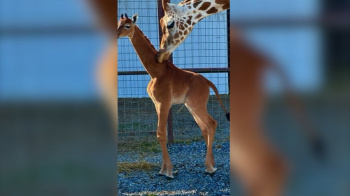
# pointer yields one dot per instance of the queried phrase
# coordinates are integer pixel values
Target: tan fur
(107, 79)
(171, 85)
(106, 68)
(259, 167)
(262, 170)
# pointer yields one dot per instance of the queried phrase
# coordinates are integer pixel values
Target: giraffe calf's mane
(148, 40)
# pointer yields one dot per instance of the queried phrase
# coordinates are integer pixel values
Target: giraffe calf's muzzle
(162, 55)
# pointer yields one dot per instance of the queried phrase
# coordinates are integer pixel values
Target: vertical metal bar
(228, 48)
(170, 117)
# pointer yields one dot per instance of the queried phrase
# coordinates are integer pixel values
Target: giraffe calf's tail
(228, 116)
(211, 85)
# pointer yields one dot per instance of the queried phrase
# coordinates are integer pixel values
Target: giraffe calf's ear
(134, 18)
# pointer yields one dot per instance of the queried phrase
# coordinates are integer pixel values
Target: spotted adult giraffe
(170, 85)
(179, 20)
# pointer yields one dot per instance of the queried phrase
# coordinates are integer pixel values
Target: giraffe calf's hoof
(166, 175)
(211, 171)
(169, 176)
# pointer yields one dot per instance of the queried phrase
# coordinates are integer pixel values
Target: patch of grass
(218, 146)
(132, 126)
(195, 139)
(147, 146)
(137, 166)
(139, 146)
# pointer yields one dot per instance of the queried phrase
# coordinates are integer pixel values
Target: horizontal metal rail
(196, 70)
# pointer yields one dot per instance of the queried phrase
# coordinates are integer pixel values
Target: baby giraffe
(170, 85)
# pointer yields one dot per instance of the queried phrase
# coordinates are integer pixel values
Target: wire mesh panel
(206, 47)
(137, 115)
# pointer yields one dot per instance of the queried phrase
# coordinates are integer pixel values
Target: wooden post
(170, 117)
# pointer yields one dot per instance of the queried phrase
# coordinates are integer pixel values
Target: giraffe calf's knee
(213, 125)
(161, 136)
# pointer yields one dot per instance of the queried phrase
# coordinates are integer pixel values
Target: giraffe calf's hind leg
(208, 126)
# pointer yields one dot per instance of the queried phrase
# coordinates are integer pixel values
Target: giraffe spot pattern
(222, 2)
(196, 4)
(205, 6)
(198, 16)
(226, 6)
(212, 10)
(182, 27)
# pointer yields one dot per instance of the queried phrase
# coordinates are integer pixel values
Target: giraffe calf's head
(126, 26)
(176, 25)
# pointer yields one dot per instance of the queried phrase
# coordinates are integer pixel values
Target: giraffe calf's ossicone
(170, 85)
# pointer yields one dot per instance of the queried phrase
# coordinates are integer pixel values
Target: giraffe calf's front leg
(163, 112)
(166, 168)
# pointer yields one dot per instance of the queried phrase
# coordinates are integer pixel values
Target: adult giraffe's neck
(206, 8)
(147, 53)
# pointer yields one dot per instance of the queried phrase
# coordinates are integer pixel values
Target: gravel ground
(191, 179)
(137, 125)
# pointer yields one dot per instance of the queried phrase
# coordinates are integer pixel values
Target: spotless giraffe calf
(170, 85)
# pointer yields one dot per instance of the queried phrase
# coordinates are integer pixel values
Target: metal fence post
(170, 117)
(228, 48)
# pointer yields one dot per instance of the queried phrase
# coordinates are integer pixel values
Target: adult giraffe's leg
(163, 112)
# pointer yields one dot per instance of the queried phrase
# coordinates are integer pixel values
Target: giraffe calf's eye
(170, 25)
(127, 26)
